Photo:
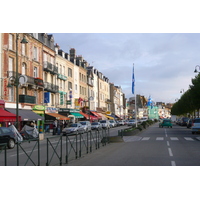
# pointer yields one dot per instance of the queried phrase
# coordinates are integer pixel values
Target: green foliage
(189, 101)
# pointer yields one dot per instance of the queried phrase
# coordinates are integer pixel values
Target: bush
(139, 127)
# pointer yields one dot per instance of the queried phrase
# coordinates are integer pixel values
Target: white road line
(168, 143)
(173, 138)
(166, 133)
(173, 163)
(145, 138)
(170, 152)
(189, 139)
(160, 138)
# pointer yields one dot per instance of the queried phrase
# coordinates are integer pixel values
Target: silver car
(105, 124)
(131, 122)
(112, 123)
(86, 125)
(96, 126)
(74, 128)
(196, 126)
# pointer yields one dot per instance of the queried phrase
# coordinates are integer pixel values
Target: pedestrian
(55, 127)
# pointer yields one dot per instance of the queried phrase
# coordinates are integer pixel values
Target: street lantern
(195, 71)
(16, 81)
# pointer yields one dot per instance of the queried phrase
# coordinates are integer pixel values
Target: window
(35, 72)
(76, 88)
(23, 68)
(69, 85)
(11, 41)
(11, 96)
(24, 91)
(69, 72)
(35, 54)
(23, 49)
(10, 64)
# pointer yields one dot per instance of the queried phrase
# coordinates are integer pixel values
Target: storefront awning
(103, 116)
(109, 117)
(96, 114)
(76, 115)
(58, 116)
(91, 117)
(6, 116)
(26, 115)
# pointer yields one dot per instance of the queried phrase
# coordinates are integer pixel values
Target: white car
(74, 128)
(86, 125)
(196, 126)
(131, 122)
(105, 124)
(112, 123)
(121, 123)
(96, 126)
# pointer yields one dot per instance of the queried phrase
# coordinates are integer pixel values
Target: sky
(164, 63)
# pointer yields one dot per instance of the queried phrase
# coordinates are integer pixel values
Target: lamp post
(16, 82)
(195, 71)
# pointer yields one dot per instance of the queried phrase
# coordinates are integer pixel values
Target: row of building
(52, 84)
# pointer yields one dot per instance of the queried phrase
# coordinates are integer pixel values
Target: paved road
(152, 147)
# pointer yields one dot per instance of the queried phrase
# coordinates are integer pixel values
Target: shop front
(6, 118)
(27, 116)
(51, 114)
(73, 114)
(40, 110)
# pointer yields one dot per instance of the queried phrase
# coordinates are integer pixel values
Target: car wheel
(11, 144)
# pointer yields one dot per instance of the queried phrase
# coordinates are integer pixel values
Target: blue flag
(133, 81)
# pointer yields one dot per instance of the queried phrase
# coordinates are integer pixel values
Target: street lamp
(15, 81)
(195, 71)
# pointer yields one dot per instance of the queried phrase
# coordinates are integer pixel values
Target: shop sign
(39, 107)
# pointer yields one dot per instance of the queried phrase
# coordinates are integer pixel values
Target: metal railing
(59, 149)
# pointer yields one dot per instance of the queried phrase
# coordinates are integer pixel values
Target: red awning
(6, 116)
(92, 118)
(96, 114)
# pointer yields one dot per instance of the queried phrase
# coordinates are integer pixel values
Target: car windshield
(197, 121)
(131, 120)
(103, 121)
(83, 123)
(166, 121)
(94, 123)
(73, 125)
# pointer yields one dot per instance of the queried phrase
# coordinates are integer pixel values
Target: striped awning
(76, 115)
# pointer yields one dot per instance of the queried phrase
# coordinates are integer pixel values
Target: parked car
(131, 122)
(183, 121)
(8, 136)
(189, 123)
(196, 126)
(75, 128)
(112, 123)
(143, 119)
(86, 125)
(96, 126)
(105, 124)
(165, 122)
(121, 122)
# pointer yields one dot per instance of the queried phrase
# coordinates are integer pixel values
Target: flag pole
(133, 92)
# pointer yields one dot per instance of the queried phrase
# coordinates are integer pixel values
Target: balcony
(108, 101)
(27, 99)
(51, 87)
(62, 77)
(31, 81)
(39, 82)
(48, 67)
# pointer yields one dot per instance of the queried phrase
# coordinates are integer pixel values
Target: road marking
(168, 143)
(173, 163)
(166, 133)
(173, 138)
(170, 152)
(160, 138)
(145, 138)
(189, 139)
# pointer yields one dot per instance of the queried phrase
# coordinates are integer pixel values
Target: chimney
(72, 55)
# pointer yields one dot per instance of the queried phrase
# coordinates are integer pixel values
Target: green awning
(77, 115)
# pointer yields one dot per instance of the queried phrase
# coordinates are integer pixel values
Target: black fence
(56, 150)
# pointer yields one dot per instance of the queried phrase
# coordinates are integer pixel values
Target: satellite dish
(23, 79)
